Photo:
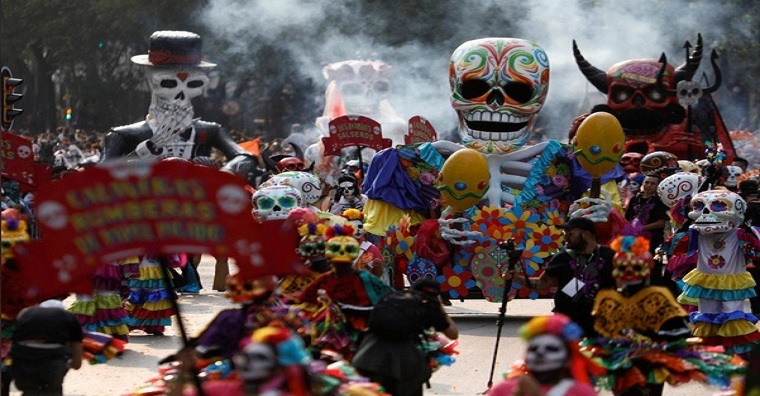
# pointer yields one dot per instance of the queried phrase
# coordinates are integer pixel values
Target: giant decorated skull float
(498, 86)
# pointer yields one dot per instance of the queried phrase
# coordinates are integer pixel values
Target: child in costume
(553, 363)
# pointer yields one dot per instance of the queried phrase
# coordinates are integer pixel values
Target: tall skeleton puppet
(176, 74)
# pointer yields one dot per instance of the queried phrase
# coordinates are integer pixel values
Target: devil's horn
(687, 70)
(595, 76)
(297, 151)
(718, 75)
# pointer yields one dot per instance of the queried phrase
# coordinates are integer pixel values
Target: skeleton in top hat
(176, 74)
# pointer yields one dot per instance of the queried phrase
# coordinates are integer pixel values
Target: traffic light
(9, 98)
(68, 114)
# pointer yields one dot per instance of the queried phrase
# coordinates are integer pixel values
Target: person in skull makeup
(553, 364)
(347, 195)
(176, 74)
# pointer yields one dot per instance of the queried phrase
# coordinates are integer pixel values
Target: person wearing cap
(176, 74)
(577, 273)
(47, 342)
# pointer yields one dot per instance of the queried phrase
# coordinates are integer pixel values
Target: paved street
(467, 376)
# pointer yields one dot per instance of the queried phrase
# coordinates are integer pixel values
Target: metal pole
(513, 257)
(173, 300)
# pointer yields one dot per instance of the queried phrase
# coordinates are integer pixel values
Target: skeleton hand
(171, 122)
(595, 209)
(453, 235)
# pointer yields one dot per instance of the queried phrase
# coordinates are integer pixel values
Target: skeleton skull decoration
(53, 215)
(306, 183)
(678, 186)
(256, 362)
(24, 152)
(732, 179)
(498, 86)
(362, 85)
(688, 92)
(659, 164)
(631, 162)
(274, 202)
(717, 211)
(342, 249)
(546, 352)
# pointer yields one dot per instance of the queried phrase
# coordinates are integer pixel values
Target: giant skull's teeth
(496, 117)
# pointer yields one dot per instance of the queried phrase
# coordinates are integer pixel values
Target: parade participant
(354, 291)
(231, 326)
(749, 191)
(347, 195)
(274, 363)
(14, 231)
(369, 259)
(47, 342)
(103, 311)
(647, 214)
(148, 303)
(720, 280)
(553, 364)
(395, 359)
(578, 273)
(616, 315)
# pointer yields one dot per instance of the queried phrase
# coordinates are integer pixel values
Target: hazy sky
(616, 31)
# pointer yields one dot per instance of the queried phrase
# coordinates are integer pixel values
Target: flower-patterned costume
(720, 281)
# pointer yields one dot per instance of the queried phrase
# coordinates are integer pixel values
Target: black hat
(580, 223)
(426, 285)
(748, 187)
(170, 48)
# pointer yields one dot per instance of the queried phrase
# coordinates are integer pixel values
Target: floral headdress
(582, 367)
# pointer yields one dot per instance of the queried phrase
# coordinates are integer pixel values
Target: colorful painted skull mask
(342, 249)
(717, 211)
(498, 86)
(632, 263)
(306, 183)
(275, 202)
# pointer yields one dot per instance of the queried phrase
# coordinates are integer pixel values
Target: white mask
(546, 352)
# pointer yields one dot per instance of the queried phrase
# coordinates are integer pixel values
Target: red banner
(353, 130)
(123, 209)
(16, 158)
(420, 131)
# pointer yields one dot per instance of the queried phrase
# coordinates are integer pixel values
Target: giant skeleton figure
(355, 87)
(176, 74)
(498, 86)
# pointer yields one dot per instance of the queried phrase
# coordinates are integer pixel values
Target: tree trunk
(45, 114)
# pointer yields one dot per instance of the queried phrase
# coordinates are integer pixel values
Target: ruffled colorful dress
(150, 296)
(722, 283)
(102, 311)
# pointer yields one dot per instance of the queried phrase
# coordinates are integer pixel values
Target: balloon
(463, 180)
(599, 143)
